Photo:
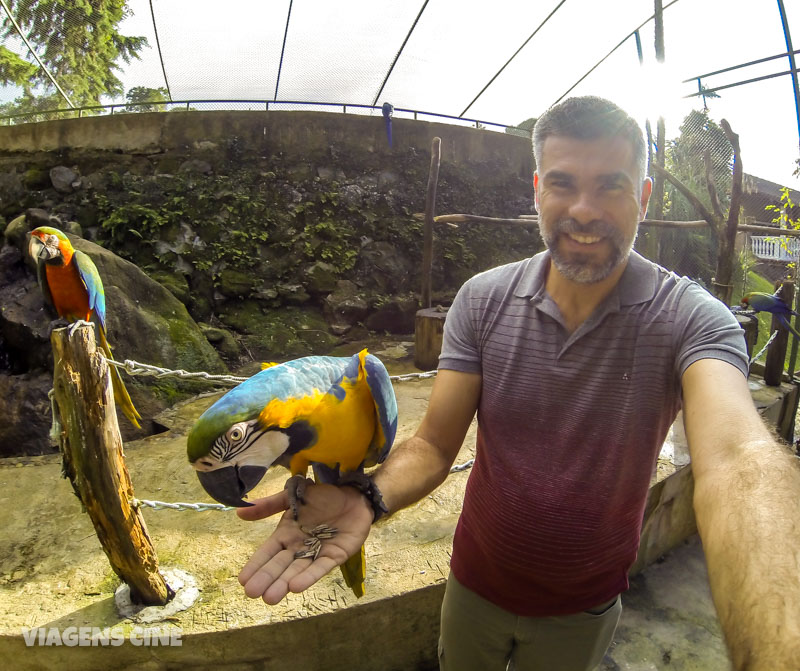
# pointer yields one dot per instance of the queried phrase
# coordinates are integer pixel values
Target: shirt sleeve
(460, 350)
(708, 330)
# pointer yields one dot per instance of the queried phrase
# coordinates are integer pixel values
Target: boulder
(144, 322)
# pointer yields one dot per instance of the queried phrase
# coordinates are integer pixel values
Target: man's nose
(585, 208)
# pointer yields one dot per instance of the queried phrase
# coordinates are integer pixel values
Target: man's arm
(746, 500)
(412, 470)
(420, 464)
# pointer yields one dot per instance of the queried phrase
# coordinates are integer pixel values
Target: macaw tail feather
(354, 570)
(783, 320)
(389, 131)
(121, 396)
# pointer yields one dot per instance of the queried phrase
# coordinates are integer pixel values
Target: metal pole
(792, 65)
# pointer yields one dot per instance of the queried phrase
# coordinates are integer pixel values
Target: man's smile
(584, 239)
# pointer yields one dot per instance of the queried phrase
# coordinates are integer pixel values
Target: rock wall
(282, 233)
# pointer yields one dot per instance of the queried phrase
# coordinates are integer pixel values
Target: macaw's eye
(236, 433)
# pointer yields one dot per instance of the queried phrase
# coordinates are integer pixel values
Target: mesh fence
(346, 57)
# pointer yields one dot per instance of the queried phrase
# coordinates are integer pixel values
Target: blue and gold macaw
(336, 414)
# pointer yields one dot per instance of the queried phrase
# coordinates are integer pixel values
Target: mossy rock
(222, 340)
(175, 283)
(36, 178)
(290, 332)
(235, 283)
(243, 316)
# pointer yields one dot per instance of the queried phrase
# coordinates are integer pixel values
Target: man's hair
(590, 118)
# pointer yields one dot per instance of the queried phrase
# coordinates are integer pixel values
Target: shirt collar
(637, 284)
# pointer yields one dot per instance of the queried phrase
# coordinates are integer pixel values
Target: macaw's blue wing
(291, 380)
(94, 285)
(385, 407)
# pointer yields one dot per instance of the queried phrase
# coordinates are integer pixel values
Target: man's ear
(647, 190)
(536, 190)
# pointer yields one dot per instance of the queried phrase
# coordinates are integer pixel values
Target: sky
(340, 52)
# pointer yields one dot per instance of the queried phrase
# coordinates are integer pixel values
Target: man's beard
(582, 268)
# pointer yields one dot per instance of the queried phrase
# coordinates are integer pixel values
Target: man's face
(590, 204)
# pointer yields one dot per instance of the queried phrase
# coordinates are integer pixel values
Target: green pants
(476, 635)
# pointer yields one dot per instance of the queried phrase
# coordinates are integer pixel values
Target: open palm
(273, 571)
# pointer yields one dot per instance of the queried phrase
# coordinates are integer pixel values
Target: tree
(694, 252)
(144, 99)
(79, 43)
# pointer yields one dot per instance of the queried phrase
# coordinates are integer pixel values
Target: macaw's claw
(74, 325)
(296, 489)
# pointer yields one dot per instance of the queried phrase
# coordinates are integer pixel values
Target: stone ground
(53, 572)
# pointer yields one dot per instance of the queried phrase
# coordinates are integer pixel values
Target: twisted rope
(162, 505)
(764, 348)
(136, 368)
(202, 507)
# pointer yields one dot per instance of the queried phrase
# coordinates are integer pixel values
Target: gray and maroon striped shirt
(570, 426)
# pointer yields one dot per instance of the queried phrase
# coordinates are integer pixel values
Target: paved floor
(668, 619)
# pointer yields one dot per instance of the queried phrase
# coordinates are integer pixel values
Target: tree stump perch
(428, 330)
(776, 352)
(91, 449)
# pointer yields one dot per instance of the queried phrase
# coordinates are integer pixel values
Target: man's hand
(273, 571)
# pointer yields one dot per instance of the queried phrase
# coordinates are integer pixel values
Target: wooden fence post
(91, 449)
(776, 352)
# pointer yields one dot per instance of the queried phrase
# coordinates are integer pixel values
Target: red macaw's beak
(228, 485)
(39, 250)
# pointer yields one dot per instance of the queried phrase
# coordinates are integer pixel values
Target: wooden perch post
(776, 352)
(91, 448)
(430, 213)
(429, 322)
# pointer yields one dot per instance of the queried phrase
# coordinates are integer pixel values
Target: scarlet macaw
(337, 414)
(71, 284)
(762, 302)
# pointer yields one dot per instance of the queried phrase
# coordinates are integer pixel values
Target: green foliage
(693, 253)
(524, 129)
(144, 99)
(79, 43)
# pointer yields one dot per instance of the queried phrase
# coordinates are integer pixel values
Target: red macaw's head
(50, 245)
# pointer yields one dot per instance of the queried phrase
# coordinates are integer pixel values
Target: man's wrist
(369, 490)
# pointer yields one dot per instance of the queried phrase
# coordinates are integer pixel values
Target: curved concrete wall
(313, 133)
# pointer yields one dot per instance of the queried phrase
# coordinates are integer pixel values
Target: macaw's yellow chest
(343, 427)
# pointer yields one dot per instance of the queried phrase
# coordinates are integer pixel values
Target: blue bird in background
(388, 110)
(762, 302)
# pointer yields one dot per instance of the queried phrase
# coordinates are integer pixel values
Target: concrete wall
(312, 133)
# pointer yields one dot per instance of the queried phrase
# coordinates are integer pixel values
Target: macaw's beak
(228, 485)
(35, 246)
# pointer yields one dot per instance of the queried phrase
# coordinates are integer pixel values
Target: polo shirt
(570, 426)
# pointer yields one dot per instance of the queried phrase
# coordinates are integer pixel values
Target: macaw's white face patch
(244, 443)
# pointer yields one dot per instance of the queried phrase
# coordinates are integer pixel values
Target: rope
(462, 467)
(764, 348)
(203, 507)
(136, 368)
(162, 505)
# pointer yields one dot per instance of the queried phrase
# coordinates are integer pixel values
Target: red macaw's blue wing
(94, 285)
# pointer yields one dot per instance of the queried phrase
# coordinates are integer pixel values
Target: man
(577, 361)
